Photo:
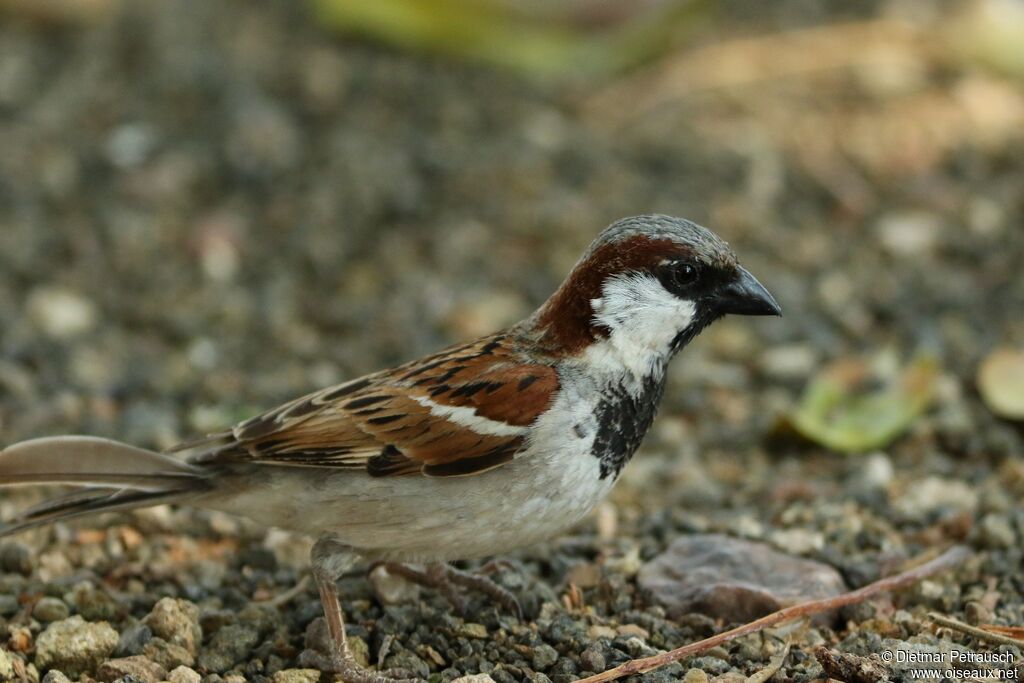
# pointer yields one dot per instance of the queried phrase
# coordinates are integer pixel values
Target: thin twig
(774, 665)
(951, 558)
(979, 633)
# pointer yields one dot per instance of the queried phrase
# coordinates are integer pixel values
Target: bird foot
(447, 580)
(340, 660)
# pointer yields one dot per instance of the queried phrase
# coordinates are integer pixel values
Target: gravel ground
(206, 212)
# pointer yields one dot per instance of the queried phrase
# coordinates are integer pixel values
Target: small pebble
(472, 630)
(50, 609)
(296, 676)
(695, 676)
(183, 674)
(16, 557)
(878, 471)
(977, 613)
(138, 668)
(228, 646)
(133, 639)
(60, 313)
(997, 532)
(168, 655)
(94, 604)
(55, 676)
(9, 605)
(593, 659)
(633, 630)
(543, 657)
(6, 667)
(177, 622)
(360, 650)
(936, 493)
(408, 661)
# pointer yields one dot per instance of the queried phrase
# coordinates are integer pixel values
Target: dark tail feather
(116, 476)
(90, 501)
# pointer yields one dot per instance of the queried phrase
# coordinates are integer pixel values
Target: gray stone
(16, 557)
(9, 605)
(230, 645)
(404, 659)
(133, 639)
(94, 604)
(733, 579)
(50, 609)
(543, 657)
(75, 646)
(593, 659)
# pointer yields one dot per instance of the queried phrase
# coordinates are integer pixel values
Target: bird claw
(446, 579)
(482, 584)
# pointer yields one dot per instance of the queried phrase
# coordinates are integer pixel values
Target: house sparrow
(480, 448)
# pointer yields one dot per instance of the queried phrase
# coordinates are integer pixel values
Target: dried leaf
(1001, 383)
(853, 408)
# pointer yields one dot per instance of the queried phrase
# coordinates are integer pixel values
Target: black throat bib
(623, 419)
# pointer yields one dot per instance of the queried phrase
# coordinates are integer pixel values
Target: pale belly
(417, 518)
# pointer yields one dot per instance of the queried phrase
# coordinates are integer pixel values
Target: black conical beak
(746, 296)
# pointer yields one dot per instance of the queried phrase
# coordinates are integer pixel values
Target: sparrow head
(651, 283)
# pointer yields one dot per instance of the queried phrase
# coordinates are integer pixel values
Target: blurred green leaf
(991, 34)
(542, 39)
(853, 408)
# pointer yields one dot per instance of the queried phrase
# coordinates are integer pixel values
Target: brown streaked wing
(419, 417)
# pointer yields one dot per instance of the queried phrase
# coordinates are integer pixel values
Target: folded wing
(463, 411)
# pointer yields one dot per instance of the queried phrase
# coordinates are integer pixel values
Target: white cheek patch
(642, 318)
(640, 309)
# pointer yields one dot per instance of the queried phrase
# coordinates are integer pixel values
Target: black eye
(679, 277)
(684, 274)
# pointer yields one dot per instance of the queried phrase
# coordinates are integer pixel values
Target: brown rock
(177, 622)
(844, 666)
(168, 655)
(74, 645)
(183, 674)
(733, 579)
(138, 667)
